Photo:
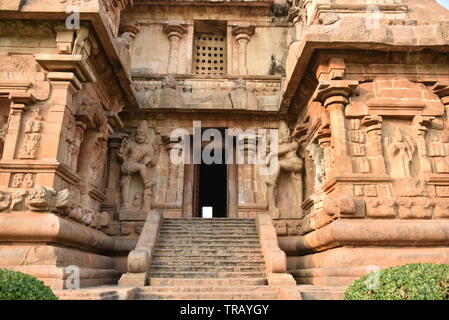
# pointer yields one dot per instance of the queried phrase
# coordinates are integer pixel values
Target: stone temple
(349, 100)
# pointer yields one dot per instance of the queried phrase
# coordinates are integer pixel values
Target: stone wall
(373, 126)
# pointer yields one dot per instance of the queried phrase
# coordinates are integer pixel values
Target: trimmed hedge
(409, 282)
(19, 286)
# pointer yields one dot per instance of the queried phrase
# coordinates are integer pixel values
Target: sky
(444, 3)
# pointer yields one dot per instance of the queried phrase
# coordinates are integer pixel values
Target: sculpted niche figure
(400, 149)
(289, 161)
(138, 154)
(32, 136)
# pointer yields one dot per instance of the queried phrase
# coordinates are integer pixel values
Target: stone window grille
(209, 53)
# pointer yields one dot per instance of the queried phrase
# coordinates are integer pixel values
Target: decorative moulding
(67, 63)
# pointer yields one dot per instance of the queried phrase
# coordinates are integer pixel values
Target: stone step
(214, 220)
(310, 292)
(86, 294)
(208, 251)
(217, 248)
(208, 235)
(206, 262)
(196, 282)
(250, 256)
(218, 269)
(200, 241)
(205, 288)
(202, 274)
(214, 230)
(183, 239)
(200, 224)
(208, 296)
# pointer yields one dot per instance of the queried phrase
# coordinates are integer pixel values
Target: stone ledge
(49, 228)
(346, 232)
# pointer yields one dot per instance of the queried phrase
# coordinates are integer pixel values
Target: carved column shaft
(242, 36)
(334, 95)
(15, 119)
(174, 33)
(325, 141)
(174, 53)
(373, 126)
(243, 40)
(335, 107)
(173, 173)
(421, 126)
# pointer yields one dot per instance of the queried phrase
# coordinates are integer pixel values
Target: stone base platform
(57, 266)
(300, 292)
(349, 263)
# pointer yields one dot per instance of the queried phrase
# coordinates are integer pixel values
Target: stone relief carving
(123, 44)
(317, 155)
(97, 165)
(45, 199)
(18, 200)
(242, 98)
(357, 138)
(381, 208)
(138, 154)
(289, 161)
(223, 94)
(5, 201)
(32, 136)
(24, 68)
(400, 149)
(438, 149)
(23, 180)
(169, 95)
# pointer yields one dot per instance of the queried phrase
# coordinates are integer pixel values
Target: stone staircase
(208, 259)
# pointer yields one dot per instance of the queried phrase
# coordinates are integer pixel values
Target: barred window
(209, 53)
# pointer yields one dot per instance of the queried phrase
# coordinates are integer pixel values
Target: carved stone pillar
(334, 96)
(173, 191)
(325, 141)
(421, 127)
(174, 33)
(373, 128)
(112, 190)
(19, 105)
(242, 36)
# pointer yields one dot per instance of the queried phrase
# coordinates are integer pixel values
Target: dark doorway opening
(213, 195)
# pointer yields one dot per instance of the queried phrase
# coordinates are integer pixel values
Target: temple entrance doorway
(212, 190)
(210, 187)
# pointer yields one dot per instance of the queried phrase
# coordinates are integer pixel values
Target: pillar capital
(174, 29)
(132, 28)
(335, 92)
(243, 32)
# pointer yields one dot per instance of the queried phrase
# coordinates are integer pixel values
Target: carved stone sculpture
(138, 154)
(47, 199)
(289, 161)
(32, 136)
(169, 95)
(241, 98)
(400, 149)
(5, 201)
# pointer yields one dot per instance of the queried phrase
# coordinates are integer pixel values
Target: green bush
(19, 286)
(408, 282)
